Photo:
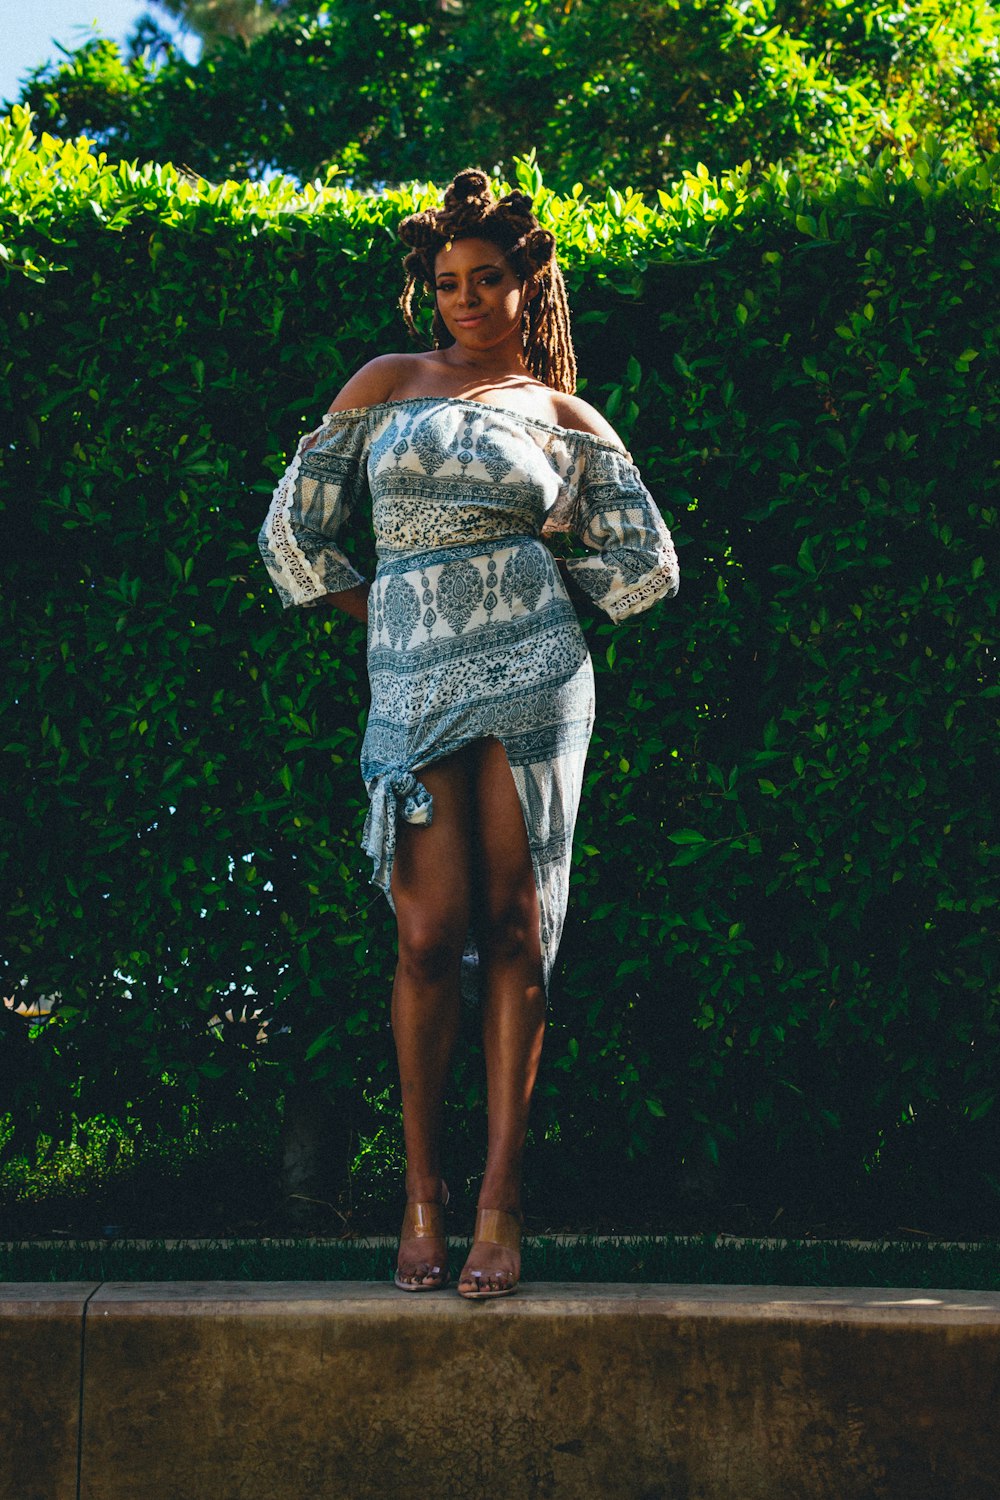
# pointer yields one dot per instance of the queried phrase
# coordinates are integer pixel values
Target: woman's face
(479, 297)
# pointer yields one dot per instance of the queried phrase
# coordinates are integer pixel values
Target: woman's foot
(422, 1263)
(493, 1267)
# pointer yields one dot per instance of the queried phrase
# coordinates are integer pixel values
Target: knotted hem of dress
(393, 792)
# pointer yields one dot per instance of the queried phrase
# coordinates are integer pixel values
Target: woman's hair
(471, 211)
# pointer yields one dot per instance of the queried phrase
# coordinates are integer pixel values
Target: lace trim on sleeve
(662, 583)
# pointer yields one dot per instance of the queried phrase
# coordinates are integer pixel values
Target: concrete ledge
(353, 1391)
(41, 1344)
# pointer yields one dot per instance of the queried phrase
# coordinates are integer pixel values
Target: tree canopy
(607, 91)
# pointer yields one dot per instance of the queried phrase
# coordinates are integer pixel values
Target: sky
(30, 29)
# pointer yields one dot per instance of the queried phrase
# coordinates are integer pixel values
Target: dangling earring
(442, 338)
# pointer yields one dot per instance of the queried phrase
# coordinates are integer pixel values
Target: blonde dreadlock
(471, 211)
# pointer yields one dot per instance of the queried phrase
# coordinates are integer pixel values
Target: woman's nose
(467, 294)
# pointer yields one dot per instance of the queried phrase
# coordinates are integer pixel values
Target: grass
(671, 1259)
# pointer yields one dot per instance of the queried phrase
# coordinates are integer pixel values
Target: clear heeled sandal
(424, 1221)
(494, 1227)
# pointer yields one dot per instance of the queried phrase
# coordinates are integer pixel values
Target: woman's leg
(430, 891)
(514, 997)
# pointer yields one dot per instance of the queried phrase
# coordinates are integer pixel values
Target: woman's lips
(471, 322)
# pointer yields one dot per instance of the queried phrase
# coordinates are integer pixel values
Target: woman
(481, 683)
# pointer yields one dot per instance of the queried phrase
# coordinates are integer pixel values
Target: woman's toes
(416, 1275)
(486, 1278)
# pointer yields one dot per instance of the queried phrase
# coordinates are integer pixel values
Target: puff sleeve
(634, 562)
(314, 499)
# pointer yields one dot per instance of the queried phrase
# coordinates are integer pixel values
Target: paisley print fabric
(470, 631)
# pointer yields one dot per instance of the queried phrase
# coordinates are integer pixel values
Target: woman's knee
(510, 932)
(430, 951)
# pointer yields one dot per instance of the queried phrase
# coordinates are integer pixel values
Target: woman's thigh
(432, 865)
(503, 875)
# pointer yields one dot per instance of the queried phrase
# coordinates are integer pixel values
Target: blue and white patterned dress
(471, 633)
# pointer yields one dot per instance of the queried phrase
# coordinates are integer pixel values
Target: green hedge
(781, 954)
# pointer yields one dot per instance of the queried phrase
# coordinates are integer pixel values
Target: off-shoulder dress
(471, 633)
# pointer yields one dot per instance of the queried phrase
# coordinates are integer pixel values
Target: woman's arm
(352, 601)
(374, 383)
(631, 561)
(574, 590)
(369, 386)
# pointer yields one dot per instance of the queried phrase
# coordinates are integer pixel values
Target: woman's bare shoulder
(580, 416)
(379, 380)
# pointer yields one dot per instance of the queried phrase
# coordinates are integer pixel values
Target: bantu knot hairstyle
(472, 211)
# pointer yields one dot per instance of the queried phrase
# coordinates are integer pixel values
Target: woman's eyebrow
(490, 265)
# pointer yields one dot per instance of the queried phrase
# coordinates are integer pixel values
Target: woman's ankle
(502, 1191)
(425, 1187)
